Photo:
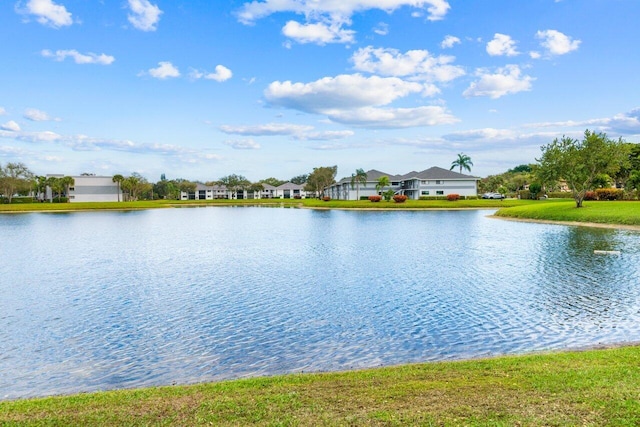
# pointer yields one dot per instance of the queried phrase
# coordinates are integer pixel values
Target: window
(440, 193)
(425, 192)
(439, 182)
(395, 183)
(425, 182)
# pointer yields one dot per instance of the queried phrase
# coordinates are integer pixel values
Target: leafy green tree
(520, 168)
(357, 178)
(383, 182)
(602, 180)
(580, 162)
(235, 183)
(14, 177)
(272, 181)
(300, 179)
(320, 179)
(388, 195)
(135, 186)
(535, 188)
(633, 183)
(462, 162)
(117, 178)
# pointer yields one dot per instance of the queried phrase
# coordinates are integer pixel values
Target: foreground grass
(597, 388)
(618, 212)
(310, 203)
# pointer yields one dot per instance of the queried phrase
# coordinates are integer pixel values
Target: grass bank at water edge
(602, 212)
(590, 388)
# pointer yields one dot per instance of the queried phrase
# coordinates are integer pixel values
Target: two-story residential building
(430, 182)
(90, 188)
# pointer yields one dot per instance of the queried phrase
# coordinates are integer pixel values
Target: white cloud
(419, 63)
(36, 115)
(382, 29)
(329, 135)
(556, 42)
(325, 19)
(221, 74)
(474, 134)
(449, 42)
(387, 118)
(336, 10)
(339, 93)
(627, 123)
(353, 99)
(318, 33)
(505, 81)
(502, 45)
(269, 129)
(535, 55)
(164, 70)
(79, 58)
(2, 111)
(11, 126)
(144, 15)
(47, 13)
(243, 144)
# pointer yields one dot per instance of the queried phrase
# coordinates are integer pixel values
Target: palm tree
(360, 177)
(383, 181)
(463, 162)
(67, 182)
(117, 178)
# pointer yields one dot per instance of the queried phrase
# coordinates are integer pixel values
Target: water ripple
(181, 296)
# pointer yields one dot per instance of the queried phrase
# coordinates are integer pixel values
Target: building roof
(290, 186)
(432, 173)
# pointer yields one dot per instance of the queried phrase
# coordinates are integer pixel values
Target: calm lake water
(104, 300)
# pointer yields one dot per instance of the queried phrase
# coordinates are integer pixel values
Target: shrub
(453, 197)
(524, 194)
(375, 198)
(388, 195)
(297, 197)
(590, 195)
(365, 197)
(399, 198)
(609, 194)
(326, 198)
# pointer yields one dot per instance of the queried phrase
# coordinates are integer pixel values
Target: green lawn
(592, 388)
(311, 203)
(605, 212)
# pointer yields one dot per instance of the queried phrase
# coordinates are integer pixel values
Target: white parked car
(493, 196)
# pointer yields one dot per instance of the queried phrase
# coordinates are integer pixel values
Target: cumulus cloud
(221, 74)
(164, 70)
(418, 63)
(388, 118)
(502, 45)
(485, 133)
(318, 33)
(556, 42)
(144, 15)
(355, 100)
(11, 126)
(79, 58)
(627, 123)
(269, 129)
(449, 42)
(243, 144)
(337, 10)
(339, 93)
(505, 81)
(325, 19)
(46, 12)
(36, 115)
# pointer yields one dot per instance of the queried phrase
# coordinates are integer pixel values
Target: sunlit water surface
(104, 300)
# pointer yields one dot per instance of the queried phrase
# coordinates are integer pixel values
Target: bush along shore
(593, 388)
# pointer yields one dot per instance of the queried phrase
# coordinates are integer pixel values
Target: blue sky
(201, 89)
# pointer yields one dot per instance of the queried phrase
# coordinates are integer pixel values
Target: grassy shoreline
(592, 387)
